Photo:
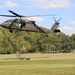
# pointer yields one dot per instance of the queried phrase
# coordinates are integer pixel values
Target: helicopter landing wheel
(10, 31)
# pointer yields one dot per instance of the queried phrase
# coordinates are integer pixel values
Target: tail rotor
(56, 21)
(55, 25)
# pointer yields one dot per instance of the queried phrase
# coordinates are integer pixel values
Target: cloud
(1, 19)
(46, 4)
(61, 3)
(68, 30)
(39, 19)
(11, 4)
(72, 22)
(1, 6)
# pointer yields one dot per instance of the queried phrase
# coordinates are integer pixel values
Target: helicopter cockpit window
(7, 21)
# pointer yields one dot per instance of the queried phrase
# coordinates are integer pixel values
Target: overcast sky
(64, 9)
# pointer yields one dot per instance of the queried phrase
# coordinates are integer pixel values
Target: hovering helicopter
(20, 24)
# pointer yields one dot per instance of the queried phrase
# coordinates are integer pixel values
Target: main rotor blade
(8, 15)
(24, 16)
(39, 15)
(17, 15)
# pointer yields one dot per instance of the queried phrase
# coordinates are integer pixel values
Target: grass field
(39, 64)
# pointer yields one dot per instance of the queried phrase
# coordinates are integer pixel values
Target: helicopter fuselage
(23, 25)
(27, 25)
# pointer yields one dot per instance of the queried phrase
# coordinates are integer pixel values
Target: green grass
(40, 64)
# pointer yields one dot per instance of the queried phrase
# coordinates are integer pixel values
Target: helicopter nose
(1, 25)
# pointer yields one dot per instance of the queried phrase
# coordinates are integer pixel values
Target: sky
(64, 9)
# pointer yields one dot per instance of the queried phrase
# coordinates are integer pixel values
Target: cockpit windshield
(8, 21)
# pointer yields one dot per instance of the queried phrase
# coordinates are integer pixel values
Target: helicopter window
(7, 21)
(19, 25)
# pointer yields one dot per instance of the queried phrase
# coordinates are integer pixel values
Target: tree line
(31, 42)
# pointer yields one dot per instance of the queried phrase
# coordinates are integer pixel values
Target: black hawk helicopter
(27, 25)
